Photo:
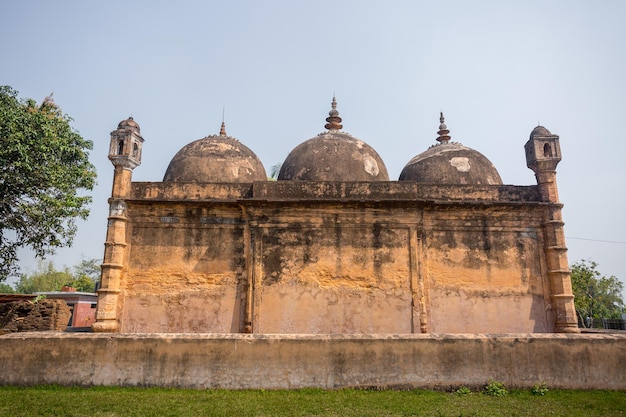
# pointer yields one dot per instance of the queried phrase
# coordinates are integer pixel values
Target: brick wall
(28, 316)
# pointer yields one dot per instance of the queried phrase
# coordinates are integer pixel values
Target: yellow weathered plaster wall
(305, 258)
(183, 276)
(486, 272)
(340, 278)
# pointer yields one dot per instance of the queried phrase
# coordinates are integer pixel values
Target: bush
(539, 389)
(495, 389)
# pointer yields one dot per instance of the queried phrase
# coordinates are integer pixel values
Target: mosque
(333, 246)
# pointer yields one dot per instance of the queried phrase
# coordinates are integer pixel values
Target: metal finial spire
(223, 128)
(444, 136)
(333, 119)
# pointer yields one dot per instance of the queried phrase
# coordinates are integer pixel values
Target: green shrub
(495, 389)
(463, 391)
(539, 389)
(39, 298)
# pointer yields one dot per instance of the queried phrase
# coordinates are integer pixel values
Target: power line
(596, 240)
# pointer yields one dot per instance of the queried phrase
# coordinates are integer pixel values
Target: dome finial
(333, 119)
(223, 127)
(443, 130)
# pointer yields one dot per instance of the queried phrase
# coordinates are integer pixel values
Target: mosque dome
(217, 158)
(450, 163)
(129, 123)
(333, 156)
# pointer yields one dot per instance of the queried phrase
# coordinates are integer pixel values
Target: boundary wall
(253, 361)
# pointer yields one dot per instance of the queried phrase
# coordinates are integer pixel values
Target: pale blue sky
(496, 69)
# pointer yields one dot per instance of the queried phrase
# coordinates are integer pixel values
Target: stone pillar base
(108, 326)
(567, 329)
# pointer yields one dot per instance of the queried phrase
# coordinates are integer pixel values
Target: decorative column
(125, 155)
(543, 153)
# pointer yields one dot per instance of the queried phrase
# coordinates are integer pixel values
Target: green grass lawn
(110, 401)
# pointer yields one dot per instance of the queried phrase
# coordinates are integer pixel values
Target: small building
(82, 306)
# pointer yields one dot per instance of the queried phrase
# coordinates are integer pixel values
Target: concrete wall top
(333, 191)
(238, 361)
(618, 336)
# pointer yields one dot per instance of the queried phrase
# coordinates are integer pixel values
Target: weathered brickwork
(28, 316)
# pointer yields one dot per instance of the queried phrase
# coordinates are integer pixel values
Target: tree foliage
(274, 171)
(6, 288)
(86, 274)
(595, 296)
(47, 278)
(89, 268)
(44, 169)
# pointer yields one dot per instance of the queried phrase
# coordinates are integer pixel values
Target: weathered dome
(333, 156)
(450, 163)
(129, 123)
(540, 131)
(215, 159)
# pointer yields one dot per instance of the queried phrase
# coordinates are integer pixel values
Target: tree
(6, 288)
(595, 296)
(89, 268)
(44, 171)
(47, 278)
(86, 274)
(274, 171)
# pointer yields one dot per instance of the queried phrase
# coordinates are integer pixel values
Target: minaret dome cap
(129, 123)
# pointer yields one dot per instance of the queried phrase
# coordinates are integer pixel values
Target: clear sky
(495, 68)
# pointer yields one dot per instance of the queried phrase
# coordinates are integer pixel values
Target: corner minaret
(125, 155)
(543, 153)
